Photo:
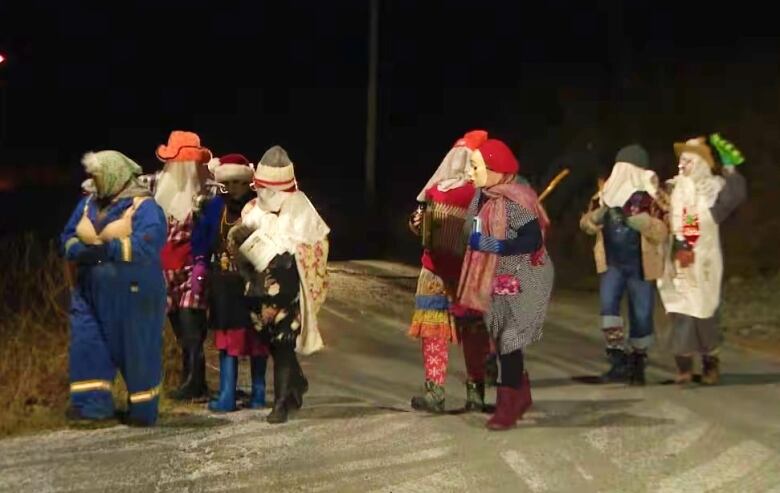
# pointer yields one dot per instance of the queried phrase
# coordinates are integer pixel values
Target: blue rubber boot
(257, 366)
(228, 377)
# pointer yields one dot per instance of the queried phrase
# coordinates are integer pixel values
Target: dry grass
(34, 339)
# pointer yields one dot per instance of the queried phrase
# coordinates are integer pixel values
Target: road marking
(447, 480)
(598, 438)
(679, 442)
(585, 474)
(428, 454)
(337, 313)
(524, 470)
(729, 466)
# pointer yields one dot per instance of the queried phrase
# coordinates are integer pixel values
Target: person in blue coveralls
(114, 237)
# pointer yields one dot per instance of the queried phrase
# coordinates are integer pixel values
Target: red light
(2, 58)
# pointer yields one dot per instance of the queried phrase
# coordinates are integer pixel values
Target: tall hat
(275, 171)
(697, 146)
(499, 157)
(183, 146)
(231, 167)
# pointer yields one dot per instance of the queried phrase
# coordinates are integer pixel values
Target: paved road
(357, 433)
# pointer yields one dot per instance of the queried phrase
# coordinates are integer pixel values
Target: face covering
(271, 200)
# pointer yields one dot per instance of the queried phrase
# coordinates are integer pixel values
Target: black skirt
(228, 307)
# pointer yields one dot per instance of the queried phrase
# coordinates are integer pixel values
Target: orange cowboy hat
(183, 146)
(697, 146)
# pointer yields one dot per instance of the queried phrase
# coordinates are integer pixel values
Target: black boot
(193, 330)
(637, 363)
(185, 361)
(299, 385)
(619, 370)
(282, 377)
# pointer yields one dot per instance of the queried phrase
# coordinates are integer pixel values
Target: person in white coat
(283, 242)
(700, 200)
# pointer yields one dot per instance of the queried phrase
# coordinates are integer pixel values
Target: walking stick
(554, 183)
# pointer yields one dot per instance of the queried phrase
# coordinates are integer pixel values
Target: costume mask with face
(693, 166)
(480, 175)
(477, 171)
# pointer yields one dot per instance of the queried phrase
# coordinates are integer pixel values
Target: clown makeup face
(236, 188)
(477, 171)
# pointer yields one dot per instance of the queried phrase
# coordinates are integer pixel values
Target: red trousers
(476, 347)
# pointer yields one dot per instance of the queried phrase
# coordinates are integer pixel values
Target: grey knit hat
(634, 154)
(275, 171)
(275, 157)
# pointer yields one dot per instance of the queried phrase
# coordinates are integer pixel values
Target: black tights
(510, 369)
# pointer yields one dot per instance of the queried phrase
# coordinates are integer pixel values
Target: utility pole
(371, 110)
(3, 102)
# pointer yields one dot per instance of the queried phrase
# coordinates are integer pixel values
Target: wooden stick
(554, 183)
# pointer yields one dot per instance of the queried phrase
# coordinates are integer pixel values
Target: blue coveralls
(117, 314)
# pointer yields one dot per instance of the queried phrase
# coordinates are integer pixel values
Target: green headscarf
(111, 170)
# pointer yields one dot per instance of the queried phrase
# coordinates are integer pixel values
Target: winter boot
(228, 377)
(475, 396)
(194, 387)
(507, 409)
(193, 334)
(432, 401)
(282, 374)
(298, 385)
(684, 370)
(710, 370)
(637, 363)
(257, 365)
(619, 370)
(525, 395)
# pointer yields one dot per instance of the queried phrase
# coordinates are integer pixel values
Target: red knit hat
(499, 157)
(231, 167)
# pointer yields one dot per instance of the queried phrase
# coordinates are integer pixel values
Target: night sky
(547, 77)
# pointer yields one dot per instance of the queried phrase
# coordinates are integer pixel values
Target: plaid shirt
(180, 293)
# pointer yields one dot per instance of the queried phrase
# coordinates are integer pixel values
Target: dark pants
(510, 369)
(615, 282)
